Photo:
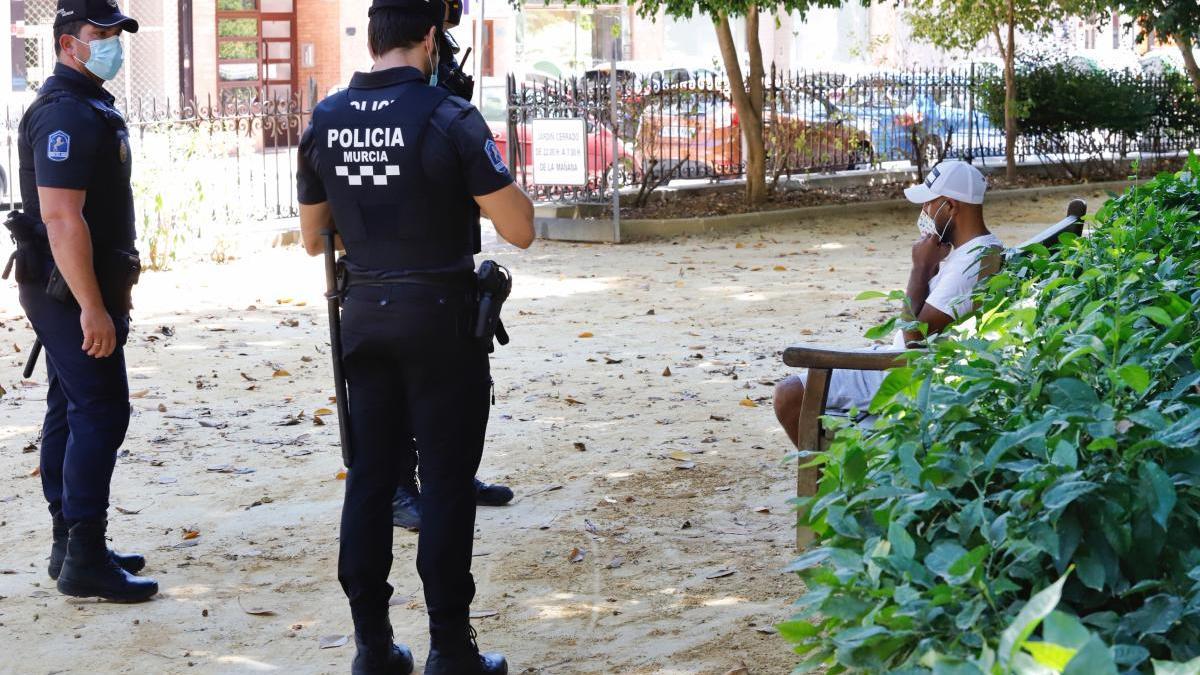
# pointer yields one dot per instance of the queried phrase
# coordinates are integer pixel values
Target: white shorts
(852, 388)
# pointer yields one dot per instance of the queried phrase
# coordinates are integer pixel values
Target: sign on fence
(559, 151)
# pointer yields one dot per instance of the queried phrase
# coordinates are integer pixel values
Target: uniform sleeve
(65, 137)
(482, 164)
(309, 188)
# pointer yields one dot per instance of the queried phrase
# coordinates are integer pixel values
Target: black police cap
(433, 9)
(103, 13)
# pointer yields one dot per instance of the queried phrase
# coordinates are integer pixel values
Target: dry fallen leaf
(585, 334)
(141, 393)
(616, 562)
(332, 641)
(667, 371)
(581, 447)
(680, 456)
(37, 471)
(281, 373)
(162, 408)
(128, 512)
(780, 268)
(577, 555)
(341, 475)
(685, 465)
(322, 411)
(748, 402)
(720, 573)
(483, 613)
(190, 534)
(572, 401)
(256, 610)
(762, 509)
(248, 378)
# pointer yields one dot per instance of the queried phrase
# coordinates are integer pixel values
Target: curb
(601, 231)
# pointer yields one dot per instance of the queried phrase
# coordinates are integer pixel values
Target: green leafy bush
(1070, 114)
(1057, 426)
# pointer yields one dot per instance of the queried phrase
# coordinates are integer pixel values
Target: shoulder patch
(58, 146)
(493, 154)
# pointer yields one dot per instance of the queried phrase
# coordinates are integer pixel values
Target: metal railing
(813, 122)
(211, 161)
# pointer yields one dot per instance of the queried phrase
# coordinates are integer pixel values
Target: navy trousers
(87, 408)
(412, 372)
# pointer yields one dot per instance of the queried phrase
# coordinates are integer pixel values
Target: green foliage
(963, 24)
(1058, 98)
(1167, 18)
(1058, 426)
(682, 9)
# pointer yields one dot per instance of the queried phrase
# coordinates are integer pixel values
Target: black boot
(132, 562)
(463, 658)
(406, 511)
(377, 654)
(89, 571)
(492, 494)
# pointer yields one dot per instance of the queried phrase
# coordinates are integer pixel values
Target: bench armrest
(839, 359)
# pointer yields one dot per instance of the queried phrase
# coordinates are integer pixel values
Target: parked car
(893, 109)
(698, 134)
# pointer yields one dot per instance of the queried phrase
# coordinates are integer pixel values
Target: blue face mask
(106, 57)
(433, 78)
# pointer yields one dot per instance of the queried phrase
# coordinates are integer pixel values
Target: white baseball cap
(952, 178)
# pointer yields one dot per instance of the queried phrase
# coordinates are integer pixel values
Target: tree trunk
(1189, 60)
(747, 101)
(1010, 96)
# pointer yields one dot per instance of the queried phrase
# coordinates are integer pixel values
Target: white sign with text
(559, 151)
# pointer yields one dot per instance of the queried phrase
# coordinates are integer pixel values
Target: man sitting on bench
(954, 252)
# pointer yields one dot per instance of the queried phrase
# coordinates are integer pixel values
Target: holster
(117, 272)
(495, 285)
(30, 259)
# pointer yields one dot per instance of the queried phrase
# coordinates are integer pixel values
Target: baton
(334, 301)
(34, 352)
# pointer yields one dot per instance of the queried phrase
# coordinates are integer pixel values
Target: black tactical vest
(392, 217)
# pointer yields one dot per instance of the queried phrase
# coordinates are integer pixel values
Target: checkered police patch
(367, 171)
(58, 146)
(493, 154)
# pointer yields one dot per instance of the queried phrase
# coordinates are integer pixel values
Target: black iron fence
(197, 167)
(684, 125)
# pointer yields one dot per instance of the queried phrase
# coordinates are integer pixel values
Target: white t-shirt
(950, 289)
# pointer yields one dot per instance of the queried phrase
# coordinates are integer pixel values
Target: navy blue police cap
(102, 13)
(435, 10)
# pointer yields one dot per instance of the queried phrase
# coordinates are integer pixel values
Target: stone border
(601, 231)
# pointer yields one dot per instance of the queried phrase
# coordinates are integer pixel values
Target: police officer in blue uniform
(406, 511)
(76, 264)
(401, 170)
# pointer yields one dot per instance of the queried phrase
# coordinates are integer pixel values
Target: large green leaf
(1158, 490)
(1092, 659)
(1062, 494)
(1038, 607)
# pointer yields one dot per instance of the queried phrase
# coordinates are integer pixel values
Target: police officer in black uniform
(76, 263)
(406, 510)
(401, 169)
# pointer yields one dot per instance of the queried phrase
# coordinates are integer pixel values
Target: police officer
(406, 511)
(401, 170)
(74, 157)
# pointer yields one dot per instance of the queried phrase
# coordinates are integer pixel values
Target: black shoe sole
(76, 590)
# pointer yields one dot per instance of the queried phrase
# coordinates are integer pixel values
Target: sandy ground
(668, 486)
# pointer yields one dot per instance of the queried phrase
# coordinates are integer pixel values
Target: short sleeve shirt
(950, 289)
(458, 142)
(66, 142)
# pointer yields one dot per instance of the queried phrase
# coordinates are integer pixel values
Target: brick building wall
(318, 39)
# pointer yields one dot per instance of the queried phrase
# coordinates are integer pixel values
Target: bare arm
(315, 219)
(511, 211)
(71, 246)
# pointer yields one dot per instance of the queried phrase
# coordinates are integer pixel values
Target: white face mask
(927, 224)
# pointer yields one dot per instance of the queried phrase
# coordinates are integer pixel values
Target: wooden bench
(821, 363)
